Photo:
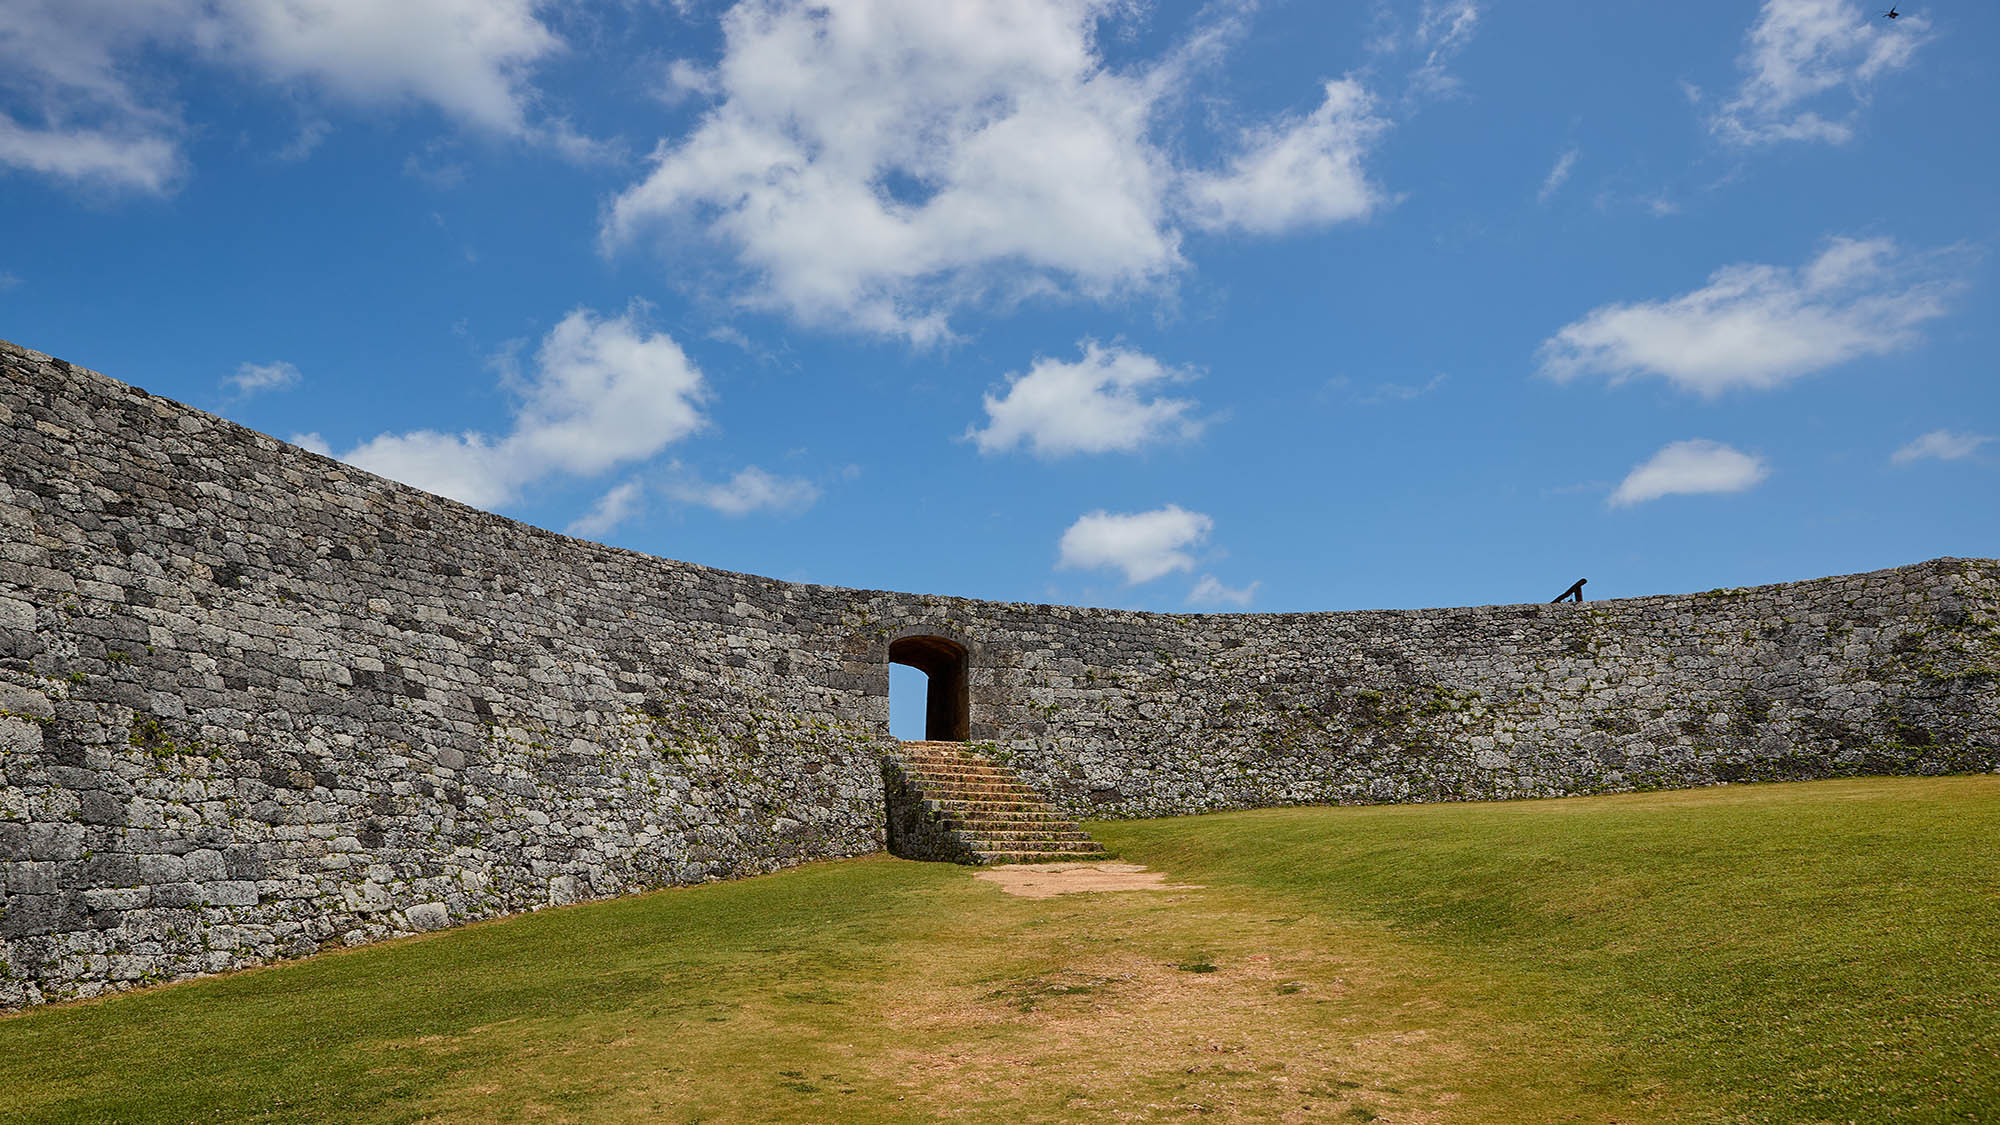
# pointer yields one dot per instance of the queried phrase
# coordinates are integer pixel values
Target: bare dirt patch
(1046, 880)
(1088, 1028)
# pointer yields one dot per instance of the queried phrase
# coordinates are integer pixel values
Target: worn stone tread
(973, 811)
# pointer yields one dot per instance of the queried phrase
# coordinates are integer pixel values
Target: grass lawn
(1824, 951)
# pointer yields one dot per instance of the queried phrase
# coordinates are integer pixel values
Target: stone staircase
(947, 803)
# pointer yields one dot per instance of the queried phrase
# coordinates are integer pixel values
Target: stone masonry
(947, 803)
(255, 703)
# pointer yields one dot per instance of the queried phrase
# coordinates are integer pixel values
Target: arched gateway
(947, 716)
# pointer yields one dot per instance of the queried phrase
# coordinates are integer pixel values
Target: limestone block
(204, 866)
(31, 877)
(20, 736)
(22, 702)
(17, 614)
(177, 895)
(365, 898)
(230, 892)
(118, 898)
(159, 868)
(428, 916)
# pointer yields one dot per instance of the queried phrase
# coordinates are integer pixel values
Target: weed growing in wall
(150, 735)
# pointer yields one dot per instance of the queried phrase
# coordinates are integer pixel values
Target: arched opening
(947, 715)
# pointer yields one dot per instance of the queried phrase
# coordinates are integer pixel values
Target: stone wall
(1132, 714)
(916, 828)
(254, 703)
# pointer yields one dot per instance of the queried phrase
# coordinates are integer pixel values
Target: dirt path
(1046, 880)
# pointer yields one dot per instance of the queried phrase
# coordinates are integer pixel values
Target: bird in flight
(1892, 13)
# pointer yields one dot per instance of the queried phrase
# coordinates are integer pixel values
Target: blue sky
(1291, 306)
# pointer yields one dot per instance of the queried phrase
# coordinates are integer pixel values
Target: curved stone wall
(254, 703)
(1132, 714)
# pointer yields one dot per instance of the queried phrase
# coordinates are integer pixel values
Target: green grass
(1759, 953)
(1828, 951)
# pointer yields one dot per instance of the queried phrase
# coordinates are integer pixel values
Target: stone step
(959, 775)
(1022, 800)
(1011, 816)
(955, 769)
(1010, 824)
(938, 751)
(1029, 841)
(1014, 824)
(965, 779)
(1018, 844)
(938, 775)
(1028, 815)
(1035, 844)
(1038, 857)
(1013, 820)
(989, 832)
(947, 769)
(993, 802)
(1025, 829)
(977, 792)
(963, 807)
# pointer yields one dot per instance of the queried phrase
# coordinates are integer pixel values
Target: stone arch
(947, 703)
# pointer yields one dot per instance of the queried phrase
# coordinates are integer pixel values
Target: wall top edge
(105, 385)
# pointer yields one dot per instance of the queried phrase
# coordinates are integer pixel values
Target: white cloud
(1298, 173)
(311, 133)
(750, 490)
(604, 392)
(94, 102)
(1558, 176)
(1440, 30)
(880, 160)
(1686, 468)
(1799, 53)
(250, 378)
(468, 467)
(1210, 591)
(312, 441)
(1444, 28)
(1094, 405)
(876, 164)
(683, 80)
(1759, 326)
(1944, 445)
(563, 138)
(612, 508)
(73, 112)
(129, 160)
(468, 58)
(1144, 545)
